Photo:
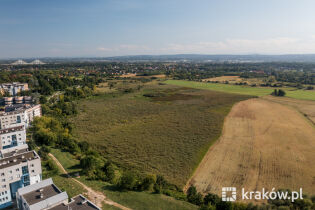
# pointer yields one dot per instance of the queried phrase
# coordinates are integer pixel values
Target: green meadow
(160, 129)
(244, 90)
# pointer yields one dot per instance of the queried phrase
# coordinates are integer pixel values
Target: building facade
(12, 137)
(14, 116)
(18, 171)
(13, 88)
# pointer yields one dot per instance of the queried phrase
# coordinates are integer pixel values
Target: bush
(160, 184)
(148, 183)
(212, 199)
(90, 164)
(279, 92)
(51, 166)
(193, 196)
(127, 181)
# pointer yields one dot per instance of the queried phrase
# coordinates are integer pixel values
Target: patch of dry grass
(263, 145)
(166, 134)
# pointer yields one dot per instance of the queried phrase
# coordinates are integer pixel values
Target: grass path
(92, 194)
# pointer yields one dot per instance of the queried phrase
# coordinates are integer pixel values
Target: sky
(100, 28)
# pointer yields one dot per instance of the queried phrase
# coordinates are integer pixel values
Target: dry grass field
(264, 144)
(137, 76)
(160, 129)
(306, 107)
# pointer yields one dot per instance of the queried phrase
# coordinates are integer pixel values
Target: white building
(45, 195)
(13, 88)
(19, 115)
(12, 137)
(18, 171)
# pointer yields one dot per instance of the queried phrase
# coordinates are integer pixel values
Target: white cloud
(244, 46)
(278, 45)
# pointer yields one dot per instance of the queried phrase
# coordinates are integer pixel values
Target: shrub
(51, 166)
(127, 181)
(148, 183)
(193, 196)
(212, 199)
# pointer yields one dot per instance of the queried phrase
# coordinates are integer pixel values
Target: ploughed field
(264, 144)
(161, 129)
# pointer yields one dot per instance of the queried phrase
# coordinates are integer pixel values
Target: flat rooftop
(13, 129)
(10, 154)
(41, 194)
(17, 159)
(16, 108)
(78, 203)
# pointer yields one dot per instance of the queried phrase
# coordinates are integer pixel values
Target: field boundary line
(205, 157)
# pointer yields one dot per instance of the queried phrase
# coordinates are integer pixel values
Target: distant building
(37, 62)
(18, 171)
(19, 62)
(12, 137)
(7, 101)
(17, 115)
(13, 88)
(46, 195)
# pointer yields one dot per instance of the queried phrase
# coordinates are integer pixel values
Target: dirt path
(263, 144)
(93, 195)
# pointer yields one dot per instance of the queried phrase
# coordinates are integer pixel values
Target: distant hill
(309, 58)
(218, 58)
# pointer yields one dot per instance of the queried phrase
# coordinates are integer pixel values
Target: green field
(166, 132)
(254, 91)
(134, 200)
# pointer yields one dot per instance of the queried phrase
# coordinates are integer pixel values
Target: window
(33, 171)
(18, 119)
(2, 174)
(17, 169)
(24, 170)
(3, 180)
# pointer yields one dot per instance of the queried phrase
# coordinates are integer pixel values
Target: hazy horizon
(80, 28)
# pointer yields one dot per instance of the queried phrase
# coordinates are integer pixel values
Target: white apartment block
(17, 171)
(12, 137)
(19, 115)
(13, 88)
(45, 195)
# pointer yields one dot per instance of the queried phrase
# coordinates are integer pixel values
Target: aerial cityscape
(157, 105)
